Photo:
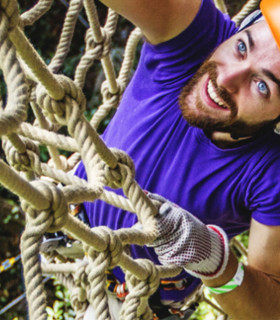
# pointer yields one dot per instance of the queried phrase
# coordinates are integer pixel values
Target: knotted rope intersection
(58, 101)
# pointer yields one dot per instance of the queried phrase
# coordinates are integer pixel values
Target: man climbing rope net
(197, 119)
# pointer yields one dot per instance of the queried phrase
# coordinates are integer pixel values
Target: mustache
(206, 120)
(211, 69)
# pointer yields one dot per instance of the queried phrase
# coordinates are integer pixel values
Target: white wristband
(235, 282)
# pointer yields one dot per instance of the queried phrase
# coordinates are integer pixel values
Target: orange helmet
(271, 11)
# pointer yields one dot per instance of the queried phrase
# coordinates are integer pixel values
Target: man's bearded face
(223, 117)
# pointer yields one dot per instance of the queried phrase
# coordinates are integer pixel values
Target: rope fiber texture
(57, 101)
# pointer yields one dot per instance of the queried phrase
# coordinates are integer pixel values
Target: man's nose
(233, 76)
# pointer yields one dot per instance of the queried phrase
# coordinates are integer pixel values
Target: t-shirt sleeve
(263, 194)
(174, 61)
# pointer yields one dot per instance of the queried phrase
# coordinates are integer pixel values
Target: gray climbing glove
(187, 242)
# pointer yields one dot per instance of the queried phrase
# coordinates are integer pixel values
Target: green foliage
(243, 238)
(61, 308)
(11, 224)
(204, 312)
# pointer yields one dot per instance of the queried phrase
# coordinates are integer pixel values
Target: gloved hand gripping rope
(185, 241)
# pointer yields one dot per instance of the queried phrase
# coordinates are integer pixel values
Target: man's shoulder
(265, 157)
(270, 145)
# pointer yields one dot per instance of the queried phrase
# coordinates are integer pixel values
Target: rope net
(47, 189)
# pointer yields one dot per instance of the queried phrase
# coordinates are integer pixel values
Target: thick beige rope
(221, 5)
(63, 48)
(35, 13)
(111, 100)
(136, 304)
(99, 37)
(15, 109)
(249, 6)
(45, 124)
(36, 64)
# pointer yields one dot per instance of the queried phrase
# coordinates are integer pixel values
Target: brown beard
(212, 122)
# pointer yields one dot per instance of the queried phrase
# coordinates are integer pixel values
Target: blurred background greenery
(44, 35)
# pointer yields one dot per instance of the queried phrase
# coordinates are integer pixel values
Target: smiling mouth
(214, 97)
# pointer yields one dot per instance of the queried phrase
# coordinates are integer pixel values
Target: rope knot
(81, 281)
(10, 9)
(112, 99)
(139, 292)
(124, 172)
(63, 160)
(101, 49)
(149, 284)
(57, 211)
(114, 249)
(27, 160)
(56, 109)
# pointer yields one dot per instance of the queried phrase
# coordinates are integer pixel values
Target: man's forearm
(203, 251)
(158, 22)
(258, 297)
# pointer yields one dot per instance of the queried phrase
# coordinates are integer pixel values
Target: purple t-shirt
(177, 161)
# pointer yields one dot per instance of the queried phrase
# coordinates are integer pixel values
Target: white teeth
(213, 95)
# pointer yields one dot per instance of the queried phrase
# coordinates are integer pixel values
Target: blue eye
(242, 47)
(262, 87)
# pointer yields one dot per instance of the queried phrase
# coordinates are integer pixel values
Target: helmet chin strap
(224, 140)
(269, 125)
(277, 126)
(228, 139)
